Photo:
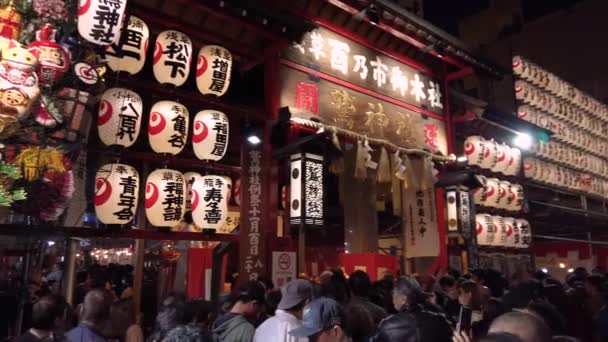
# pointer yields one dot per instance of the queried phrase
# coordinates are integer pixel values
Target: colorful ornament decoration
(172, 58)
(129, 53)
(18, 81)
(100, 21)
(86, 73)
(165, 198)
(119, 120)
(213, 69)
(210, 202)
(190, 178)
(53, 59)
(168, 127)
(34, 161)
(210, 135)
(116, 193)
(10, 21)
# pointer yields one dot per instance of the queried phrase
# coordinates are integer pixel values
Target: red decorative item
(307, 97)
(431, 136)
(53, 59)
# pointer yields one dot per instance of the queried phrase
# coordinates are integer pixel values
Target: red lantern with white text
(172, 57)
(209, 202)
(100, 21)
(119, 120)
(210, 135)
(168, 127)
(165, 198)
(116, 193)
(213, 69)
(129, 54)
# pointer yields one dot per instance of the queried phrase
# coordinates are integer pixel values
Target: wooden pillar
(140, 249)
(69, 278)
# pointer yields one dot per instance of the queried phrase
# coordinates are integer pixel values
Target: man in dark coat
(412, 323)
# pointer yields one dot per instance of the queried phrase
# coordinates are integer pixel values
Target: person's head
(500, 337)
(550, 315)
(478, 275)
(493, 308)
(529, 328)
(323, 321)
(360, 284)
(201, 313)
(595, 285)
(295, 295)
(172, 312)
(469, 295)
(523, 294)
(96, 306)
(249, 299)
(448, 285)
(336, 287)
(407, 292)
(47, 312)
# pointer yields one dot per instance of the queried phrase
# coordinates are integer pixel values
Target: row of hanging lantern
(120, 118)
(169, 194)
(126, 48)
(505, 232)
(488, 154)
(499, 194)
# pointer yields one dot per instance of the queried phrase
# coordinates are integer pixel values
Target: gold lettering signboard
(309, 97)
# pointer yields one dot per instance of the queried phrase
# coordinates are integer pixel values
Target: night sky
(446, 14)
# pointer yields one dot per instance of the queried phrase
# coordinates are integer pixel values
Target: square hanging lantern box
(307, 157)
(306, 179)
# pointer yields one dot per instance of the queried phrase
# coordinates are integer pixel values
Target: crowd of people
(480, 306)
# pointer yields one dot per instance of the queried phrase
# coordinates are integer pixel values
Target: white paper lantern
(119, 120)
(213, 69)
(531, 168)
(492, 192)
(474, 149)
(503, 193)
(165, 198)
(116, 193)
(210, 202)
(172, 57)
(486, 232)
(490, 155)
(168, 127)
(502, 158)
(514, 165)
(516, 198)
(525, 233)
(190, 178)
(129, 54)
(210, 135)
(479, 194)
(512, 232)
(500, 239)
(100, 21)
(229, 184)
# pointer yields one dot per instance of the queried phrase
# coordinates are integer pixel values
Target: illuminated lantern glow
(485, 229)
(492, 192)
(210, 202)
(210, 135)
(129, 54)
(479, 194)
(490, 155)
(512, 232)
(172, 57)
(213, 68)
(503, 194)
(119, 120)
(502, 158)
(190, 178)
(500, 239)
(525, 233)
(165, 198)
(116, 193)
(229, 195)
(516, 198)
(514, 162)
(306, 189)
(100, 21)
(474, 149)
(168, 127)
(53, 59)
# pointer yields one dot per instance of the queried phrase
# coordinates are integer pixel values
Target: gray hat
(294, 293)
(320, 314)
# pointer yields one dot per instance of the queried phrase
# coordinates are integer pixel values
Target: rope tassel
(337, 166)
(384, 167)
(361, 161)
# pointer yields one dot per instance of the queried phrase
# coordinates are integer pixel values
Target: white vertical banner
(283, 268)
(295, 189)
(420, 219)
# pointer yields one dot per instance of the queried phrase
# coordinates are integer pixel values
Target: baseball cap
(294, 293)
(320, 314)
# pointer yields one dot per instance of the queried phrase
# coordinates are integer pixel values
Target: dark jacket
(414, 324)
(232, 328)
(363, 317)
